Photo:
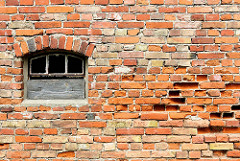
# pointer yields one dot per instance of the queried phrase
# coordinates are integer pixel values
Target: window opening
(73, 65)
(56, 65)
(56, 76)
(39, 65)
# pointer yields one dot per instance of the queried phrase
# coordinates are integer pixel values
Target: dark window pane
(56, 64)
(39, 65)
(75, 65)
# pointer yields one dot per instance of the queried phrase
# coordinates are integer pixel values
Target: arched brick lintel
(53, 42)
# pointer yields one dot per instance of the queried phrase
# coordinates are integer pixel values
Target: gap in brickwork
(235, 107)
(228, 115)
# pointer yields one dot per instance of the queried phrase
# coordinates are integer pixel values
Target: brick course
(163, 80)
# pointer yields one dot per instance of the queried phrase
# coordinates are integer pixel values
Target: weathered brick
(130, 138)
(163, 154)
(185, 131)
(14, 124)
(55, 139)
(139, 154)
(153, 138)
(179, 139)
(213, 25)
(227, 9)
(38, 124)
(221, 146)
(194, 146)
(71, 146)
(18, 154)
(42, 154)
(177, 40)
(127, 40)
(199, 123)
(31, 9)
(226, 40)
(113, 154)
(48, 24)
(6, 139)
(64, 124)
(21, 25)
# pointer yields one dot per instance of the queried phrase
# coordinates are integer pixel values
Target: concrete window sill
(54, 103)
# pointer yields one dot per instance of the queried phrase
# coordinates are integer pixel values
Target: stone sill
(54, 103)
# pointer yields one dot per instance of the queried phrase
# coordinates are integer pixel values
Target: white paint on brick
(122, 70)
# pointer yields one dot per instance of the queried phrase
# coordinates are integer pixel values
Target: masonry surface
(163, 80)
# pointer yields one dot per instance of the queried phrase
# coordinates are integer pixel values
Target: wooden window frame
(47, 74)
(82, 77)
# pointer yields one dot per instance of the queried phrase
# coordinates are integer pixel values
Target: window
(55, 75)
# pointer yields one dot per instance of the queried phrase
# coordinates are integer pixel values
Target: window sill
(54, 103)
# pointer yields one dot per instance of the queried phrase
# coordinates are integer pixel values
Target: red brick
(115, 9)
(8, 10)
(91, 124)
(76, 24)
(157, 25)
(60, 9)
(56, 1)
(41, 2)
(26, 2)
(216, 85)
(160, 85)
(162, 131)
(90, 51)
(202, 40)
(234, 154)
(156, 1)
(154, 116)
(226, 101)
(130, 131)
(86, 2)
(104, 139)
(101, 2)
(130, 24)
(143, 17)
(31, 9)
(126, 115)
(50, 131)
(129, 62)
(127, 40)
(12, 3)
(28, 139)
(133, 85)
(217, 123)
(116, 154)
(73, 116)
(69, 154)
(172, 9)
(147, 101)
(48, 24)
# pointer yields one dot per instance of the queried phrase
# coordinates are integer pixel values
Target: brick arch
(53, 42)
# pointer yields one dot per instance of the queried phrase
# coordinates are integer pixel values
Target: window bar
(66, 64)
(47, 63)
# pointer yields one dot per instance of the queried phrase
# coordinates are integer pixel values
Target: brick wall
(163, 78)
